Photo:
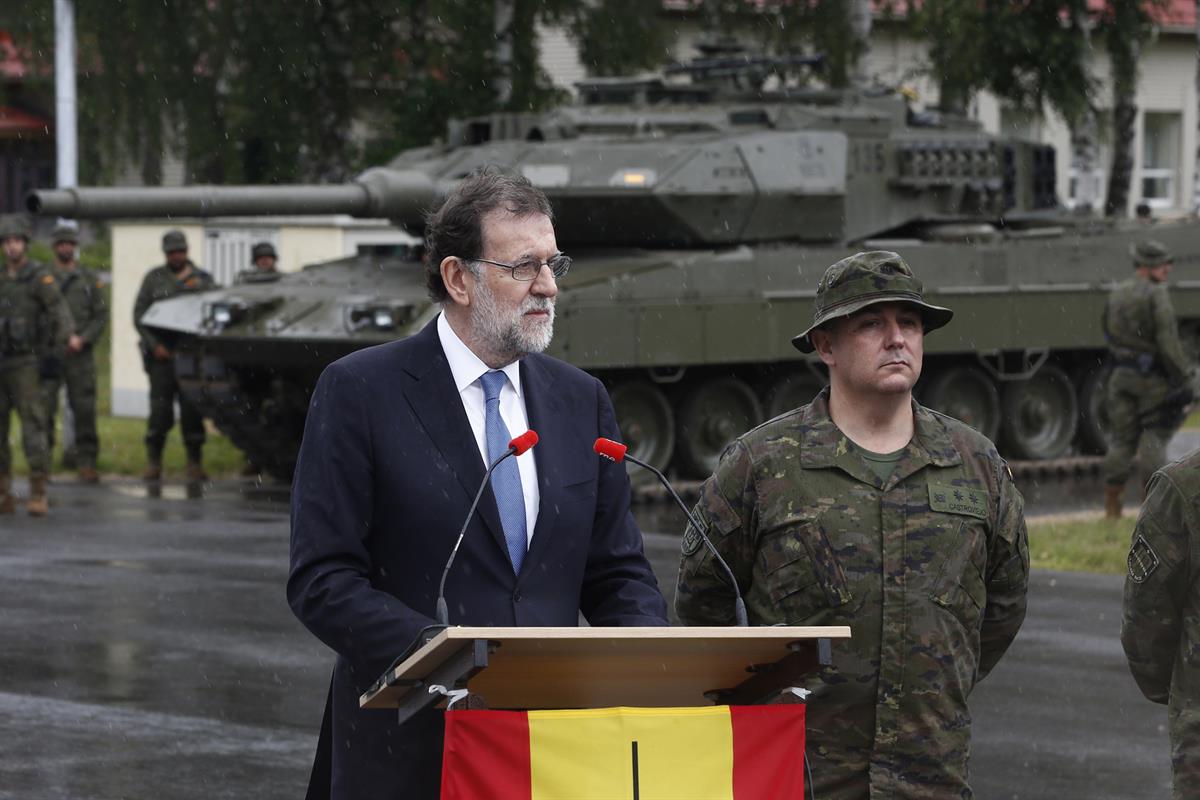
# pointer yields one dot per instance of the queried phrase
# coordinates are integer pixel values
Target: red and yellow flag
(709, 753)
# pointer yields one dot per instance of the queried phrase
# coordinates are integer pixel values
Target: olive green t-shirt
(882, 464)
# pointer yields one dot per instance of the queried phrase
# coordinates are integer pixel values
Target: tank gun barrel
(401, 196)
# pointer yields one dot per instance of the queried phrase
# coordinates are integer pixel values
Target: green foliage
(267, 92)
(610, 45)
(1080, 544)
(1031, 53)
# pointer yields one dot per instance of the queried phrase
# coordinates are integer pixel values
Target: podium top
(598, 667)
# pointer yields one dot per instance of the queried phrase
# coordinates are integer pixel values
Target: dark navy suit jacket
(387, 471)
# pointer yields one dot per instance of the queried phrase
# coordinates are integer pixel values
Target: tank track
(206, 383)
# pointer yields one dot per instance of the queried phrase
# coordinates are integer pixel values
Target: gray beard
(502, 331)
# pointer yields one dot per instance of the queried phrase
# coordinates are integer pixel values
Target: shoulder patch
(692, 541)
(99, 284)
(958, 500)
(47, 279)
(1142, 560)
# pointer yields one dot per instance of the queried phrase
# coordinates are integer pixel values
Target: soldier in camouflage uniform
(76, 364)
(177, 276)
(33, 315)
(1161, 625)
(1148, 362)
(866, 509)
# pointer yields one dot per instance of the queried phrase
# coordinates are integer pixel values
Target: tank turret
(701, 206)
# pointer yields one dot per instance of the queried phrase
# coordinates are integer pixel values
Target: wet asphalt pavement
(146, 651)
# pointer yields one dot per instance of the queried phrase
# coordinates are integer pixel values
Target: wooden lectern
(555, 668)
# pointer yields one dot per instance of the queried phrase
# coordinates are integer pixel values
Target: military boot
(153, 470)
(8, 503)
(1112, 501)
(88, 475)
(195, 465)
(39, 504)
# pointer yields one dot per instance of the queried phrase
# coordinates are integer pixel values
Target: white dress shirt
(467, 369)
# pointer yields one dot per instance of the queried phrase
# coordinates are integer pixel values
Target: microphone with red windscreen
(615, 451)
(516, 446)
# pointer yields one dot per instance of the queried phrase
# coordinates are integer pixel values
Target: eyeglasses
(529, 268)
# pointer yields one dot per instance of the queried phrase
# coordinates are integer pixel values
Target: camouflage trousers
(164, 391)
(79, 375)
(1134, 416)
(1183, 722)
(19, 391)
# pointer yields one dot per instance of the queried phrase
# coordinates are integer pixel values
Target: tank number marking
(867, 158)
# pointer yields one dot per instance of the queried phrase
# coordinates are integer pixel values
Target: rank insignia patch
(958, 500)
(1142, 560)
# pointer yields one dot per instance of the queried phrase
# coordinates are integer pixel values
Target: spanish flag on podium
(706, 753)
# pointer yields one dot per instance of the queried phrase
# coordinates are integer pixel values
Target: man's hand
(75, 343)
(161, 353)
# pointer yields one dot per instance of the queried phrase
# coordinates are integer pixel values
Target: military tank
(701, 207)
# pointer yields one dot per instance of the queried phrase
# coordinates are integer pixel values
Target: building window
(1160, 158)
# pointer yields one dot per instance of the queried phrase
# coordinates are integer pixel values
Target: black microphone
(515, 448)
(615, 451)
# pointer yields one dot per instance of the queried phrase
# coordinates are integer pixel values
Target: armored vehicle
(701, 207)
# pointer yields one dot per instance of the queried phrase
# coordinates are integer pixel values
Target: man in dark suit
(396, 443)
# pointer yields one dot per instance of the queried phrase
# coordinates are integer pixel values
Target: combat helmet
(174, 240)
(15, 225)
(64, 233)
(262, 249)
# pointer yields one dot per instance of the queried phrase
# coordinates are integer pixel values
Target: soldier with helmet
(1148, 387)
(76, 363)
(33, 315)
(177, 276)
(866, 509)
(263, 258)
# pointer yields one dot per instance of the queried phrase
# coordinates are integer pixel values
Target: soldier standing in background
(866, 509)
(33, 315)
(263, 258)
(176, 276)
(1148, 386)
(1161, 626)
(77, 364)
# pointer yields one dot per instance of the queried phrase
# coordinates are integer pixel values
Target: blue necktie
(506, 478)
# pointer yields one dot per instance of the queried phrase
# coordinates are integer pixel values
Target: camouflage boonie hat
(15, 225)
(64, 233)
(867, 279)
(262, 249)
(1150, 253)
(174, 240)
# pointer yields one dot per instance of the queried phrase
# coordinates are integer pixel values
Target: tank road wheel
(967, 394)
(1093, 411)
(791, 391)
(714, 413)
(1041, 414)
(646, 422)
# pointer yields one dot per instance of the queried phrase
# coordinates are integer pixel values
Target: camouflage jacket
(84, 294)
(33, 314)
(929, 570)
(1138, 319)
(1161, 626)
(159, 284)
